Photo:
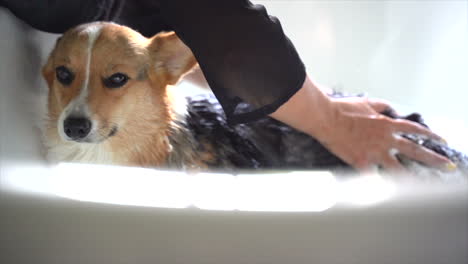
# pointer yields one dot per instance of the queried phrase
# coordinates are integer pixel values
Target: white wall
(414, 53)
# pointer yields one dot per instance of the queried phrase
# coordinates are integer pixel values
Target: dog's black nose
(77, 127)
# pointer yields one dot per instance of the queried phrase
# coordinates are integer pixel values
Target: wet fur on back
(270, 144)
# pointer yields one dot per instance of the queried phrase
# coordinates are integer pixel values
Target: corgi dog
(110, 102)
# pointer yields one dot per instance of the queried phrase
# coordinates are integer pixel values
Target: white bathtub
(412, 53)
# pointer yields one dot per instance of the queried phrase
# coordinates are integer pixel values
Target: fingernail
(444, 141)
(451, 166)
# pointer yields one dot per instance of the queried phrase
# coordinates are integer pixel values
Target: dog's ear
(171, 57)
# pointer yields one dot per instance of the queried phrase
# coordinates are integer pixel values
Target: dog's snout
(77, 128)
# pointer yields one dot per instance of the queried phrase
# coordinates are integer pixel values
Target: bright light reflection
(283, 192)
(365, 190)
(295, 191)
(122, 185)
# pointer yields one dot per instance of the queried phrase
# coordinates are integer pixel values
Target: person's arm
(354, 130)
(242, 51)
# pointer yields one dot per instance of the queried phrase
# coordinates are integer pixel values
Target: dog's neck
(183, 147)
(152, 142)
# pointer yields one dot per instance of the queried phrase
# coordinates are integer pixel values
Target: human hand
(354, 129)
(364, 138)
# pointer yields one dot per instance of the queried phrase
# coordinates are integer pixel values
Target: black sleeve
(242, 51)
(57, 16)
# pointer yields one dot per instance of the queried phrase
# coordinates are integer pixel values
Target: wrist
(321, 116)
(310, 110)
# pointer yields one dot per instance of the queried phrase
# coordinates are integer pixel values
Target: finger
(405, 126)
(381, 106)
(421, 154)
(363, 166)
(391, 163)
(369, 169)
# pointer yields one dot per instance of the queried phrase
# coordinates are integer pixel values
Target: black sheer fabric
(242, 51)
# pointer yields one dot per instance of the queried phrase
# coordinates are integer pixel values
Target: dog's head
(105, 79)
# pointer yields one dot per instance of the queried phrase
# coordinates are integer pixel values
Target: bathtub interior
(411, 53)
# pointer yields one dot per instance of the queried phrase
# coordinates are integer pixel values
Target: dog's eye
(64, 75)
(116, 80)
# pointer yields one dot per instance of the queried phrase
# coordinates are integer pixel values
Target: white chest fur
(79, 152)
